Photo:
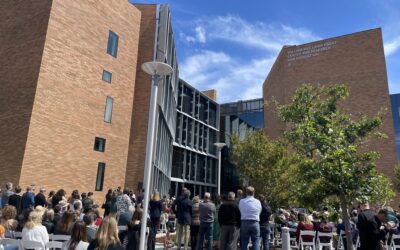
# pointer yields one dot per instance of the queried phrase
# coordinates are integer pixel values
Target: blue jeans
(264, 234)
(206, 230)
(249, 229)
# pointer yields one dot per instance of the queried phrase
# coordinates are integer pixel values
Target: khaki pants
(182, 231)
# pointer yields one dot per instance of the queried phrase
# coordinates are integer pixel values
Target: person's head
(60, 193)
(186, 193)
(9, 186)
(109, 192)
(18, 189)
(231, 196)
(156, 196)
(207, 196)
(78, 234)
(382, 215)
(262, 198)
(196, 199)
(42, 190)
(57, 209)
(364, 206)
(34, 219)
(66, 221)
(250, 191)
(77, 205)
(107, 233)
(51, 193)
(125, 191)
(25, 216)
(137, 215)
(9, 212)
(29, 189)
(304, 218)
(216, 198)
(48, 215)
(89, 218)
(83, 195)
(2, 232)
(239, 193)
(75, 195)
(90, 194)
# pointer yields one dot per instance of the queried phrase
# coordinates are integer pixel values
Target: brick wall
(69, 105)
(356, 60)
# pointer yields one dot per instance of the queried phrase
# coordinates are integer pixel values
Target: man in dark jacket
(184, 216)
(6, 194)
(229, 221)
(264, 222)
(15, 199)
(87, 202)
(28, 199)
(40, 198)
(369, 227)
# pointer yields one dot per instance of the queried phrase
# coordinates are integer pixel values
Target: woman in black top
(155, 211)
(107, 204)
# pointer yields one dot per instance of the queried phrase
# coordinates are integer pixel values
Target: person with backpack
(266, 213)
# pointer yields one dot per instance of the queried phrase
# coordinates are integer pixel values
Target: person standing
(6, 194)
(229, 220)
(368, 225)
(15, 199)
(155, 212)
(194, 227)
(28, 199)
(266, 213)
(184, 216)
(207, 211)
(250, 210)
(40, 198)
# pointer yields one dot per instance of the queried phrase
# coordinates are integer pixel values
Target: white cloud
(392, 46)
(236, 77)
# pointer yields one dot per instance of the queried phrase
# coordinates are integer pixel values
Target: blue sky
(231, 45)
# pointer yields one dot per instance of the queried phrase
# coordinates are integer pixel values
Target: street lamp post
(157, 70)
(219, 146)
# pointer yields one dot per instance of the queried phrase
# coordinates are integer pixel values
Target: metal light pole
(219, 146)
(157, 70)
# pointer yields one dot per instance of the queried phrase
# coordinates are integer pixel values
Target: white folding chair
(323, 235)
(293, 241)
(30, 244)
(341, 240)
(121, 228)
(60, 237)
(395, 244)
(17, 235)
(12, 242)
(54, 245)
(303, 244)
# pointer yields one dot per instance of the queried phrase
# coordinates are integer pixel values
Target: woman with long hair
(65, 225)
(48, 220)
(155, 211)
(107, 203)
(34, 230)
(305, 224)
(107, 236)
(133, 232)
(59, 196)
(78, 239)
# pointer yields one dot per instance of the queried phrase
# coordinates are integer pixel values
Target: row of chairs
(30, 244)
(319, 241)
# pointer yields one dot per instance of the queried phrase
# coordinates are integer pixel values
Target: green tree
(333, 145)
(268, 165)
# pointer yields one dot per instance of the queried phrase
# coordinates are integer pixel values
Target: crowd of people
(211, 221)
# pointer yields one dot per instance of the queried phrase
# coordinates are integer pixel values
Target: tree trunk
(346, 221)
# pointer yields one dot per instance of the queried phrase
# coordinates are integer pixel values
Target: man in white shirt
(250, 209)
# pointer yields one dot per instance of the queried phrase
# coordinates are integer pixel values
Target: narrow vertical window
(109, 108)
(101, 168)
(112, 46)
(107, 76)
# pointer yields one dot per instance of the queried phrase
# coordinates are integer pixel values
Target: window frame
(112, 50)
(111, 109)
(104, 144)
(105, 72)
(101, 170)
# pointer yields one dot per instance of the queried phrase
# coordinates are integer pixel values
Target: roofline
(200, 91)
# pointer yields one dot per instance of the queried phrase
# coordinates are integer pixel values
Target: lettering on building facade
(309, 51)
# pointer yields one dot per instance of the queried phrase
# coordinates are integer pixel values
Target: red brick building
(68, 76)
(356, 60)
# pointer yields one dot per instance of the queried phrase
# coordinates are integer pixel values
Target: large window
(109, 108)
(107, 76)
(99, 144)
(112, 46)
(101, 168)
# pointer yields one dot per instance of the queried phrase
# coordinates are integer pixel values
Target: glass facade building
(395, 102)
(237, 118)
(194, 162)
(167, 100)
